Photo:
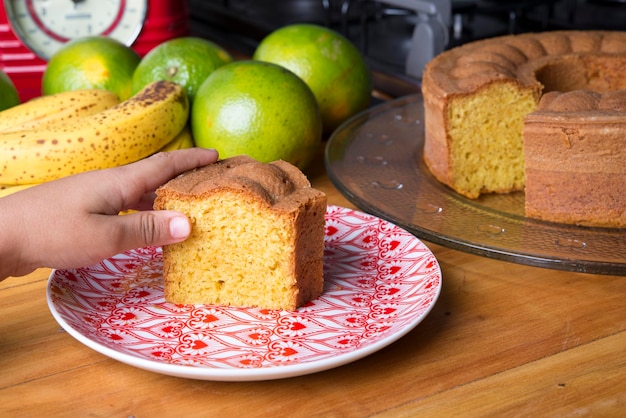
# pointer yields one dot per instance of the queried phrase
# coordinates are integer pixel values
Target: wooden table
(503, 338)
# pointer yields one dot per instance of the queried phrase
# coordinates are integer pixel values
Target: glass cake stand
(375, 160)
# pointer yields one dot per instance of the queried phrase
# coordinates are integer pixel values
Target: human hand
(74, 221)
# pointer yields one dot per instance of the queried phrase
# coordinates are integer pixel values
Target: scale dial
(45, 25)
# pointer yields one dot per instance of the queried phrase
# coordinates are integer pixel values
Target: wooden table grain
(503, 339)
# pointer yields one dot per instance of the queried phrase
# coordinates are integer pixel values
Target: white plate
(380, 282)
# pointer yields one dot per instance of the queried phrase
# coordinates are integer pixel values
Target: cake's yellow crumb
(257, 236)
(486, 147)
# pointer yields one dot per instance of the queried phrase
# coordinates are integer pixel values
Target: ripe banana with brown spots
(56, 108)
(183, 140)
(130, 131)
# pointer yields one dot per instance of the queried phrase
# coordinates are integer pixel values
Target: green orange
(8, 92)
(187, 61)
(329, 63)
(259, 109)
(92, 62)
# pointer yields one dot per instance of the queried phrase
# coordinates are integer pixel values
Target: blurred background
(395, 35)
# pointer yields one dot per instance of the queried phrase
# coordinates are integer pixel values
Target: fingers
(161, 167)
(148, 228)
(132, 186)
(135, 182)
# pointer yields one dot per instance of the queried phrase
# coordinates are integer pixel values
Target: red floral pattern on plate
(380, 282)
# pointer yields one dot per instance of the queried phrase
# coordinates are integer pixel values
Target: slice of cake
(257, 236)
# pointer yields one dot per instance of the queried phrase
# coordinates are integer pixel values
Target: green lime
(8, 92)
(259, 109)
(330, 65)
(93, 62)
(187, 61)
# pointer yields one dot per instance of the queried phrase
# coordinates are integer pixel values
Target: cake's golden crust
(271, 183)
(257, 237)
(466, 68)
(536, 64)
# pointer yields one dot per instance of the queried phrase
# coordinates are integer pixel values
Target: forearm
(11, 239)
(8, 264)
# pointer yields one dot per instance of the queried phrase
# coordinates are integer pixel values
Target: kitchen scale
(32, 30)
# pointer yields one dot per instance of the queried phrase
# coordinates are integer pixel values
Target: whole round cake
(478, 96)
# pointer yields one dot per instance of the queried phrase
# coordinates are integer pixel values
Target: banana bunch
(67, 133)
(183, 140)
(62, 107)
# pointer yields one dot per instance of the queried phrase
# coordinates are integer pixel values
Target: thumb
(153, 228)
